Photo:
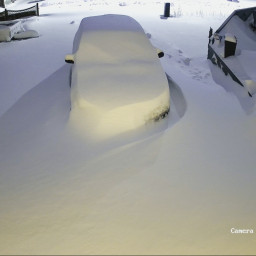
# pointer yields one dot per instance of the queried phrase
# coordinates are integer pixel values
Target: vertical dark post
(210, 35)
(230, 46)
(37, 9)
(210, 32)
(167, 10)
(6, 14)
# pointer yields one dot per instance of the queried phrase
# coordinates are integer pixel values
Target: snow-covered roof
(238, 28)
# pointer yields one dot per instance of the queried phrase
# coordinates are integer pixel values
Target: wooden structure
(17, 14)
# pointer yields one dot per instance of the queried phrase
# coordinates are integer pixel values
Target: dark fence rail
(13, 15)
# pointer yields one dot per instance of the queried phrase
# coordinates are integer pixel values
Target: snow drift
(8, 29)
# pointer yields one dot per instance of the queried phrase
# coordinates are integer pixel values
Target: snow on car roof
(115, 63)
(111, 22)
(106, 23)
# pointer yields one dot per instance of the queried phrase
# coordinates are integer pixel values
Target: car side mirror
(70, 59)
(160, 53)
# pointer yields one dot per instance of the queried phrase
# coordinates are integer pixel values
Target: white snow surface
(230, 38)
(26, 34)
(161, 190)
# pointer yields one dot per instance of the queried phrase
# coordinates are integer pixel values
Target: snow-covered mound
(8, 29)
(4, 33)
(26, 34)
(118, 83)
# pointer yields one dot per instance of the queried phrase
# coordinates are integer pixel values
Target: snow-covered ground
(180, 191)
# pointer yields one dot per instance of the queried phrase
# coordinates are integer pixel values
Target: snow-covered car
(117, 81)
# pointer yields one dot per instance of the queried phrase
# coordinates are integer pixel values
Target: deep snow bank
(118, 83)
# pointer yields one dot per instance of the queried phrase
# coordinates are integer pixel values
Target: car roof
(115, 60)
(105, 24)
